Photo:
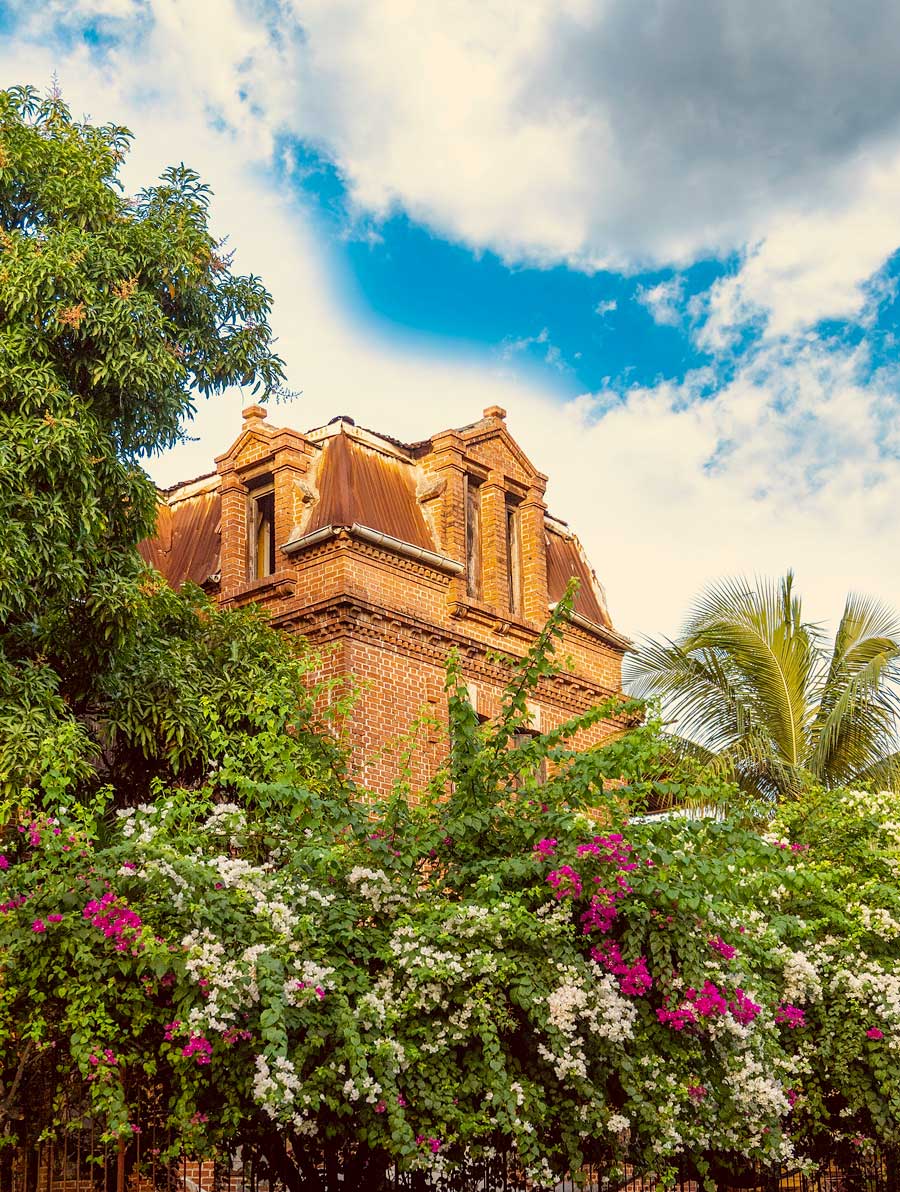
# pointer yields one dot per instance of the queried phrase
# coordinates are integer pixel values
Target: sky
(663, 235)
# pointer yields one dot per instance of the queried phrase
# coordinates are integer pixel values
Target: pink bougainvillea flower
(545, 848)
(791, 1016)
(719, 945)
(38, 926)
(199, 1048)
(874, 1033)
(4, 863)
(565, 881)
(743, 1009)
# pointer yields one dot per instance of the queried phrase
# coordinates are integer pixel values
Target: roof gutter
(378, 538)
(298, 544)
(611, 635)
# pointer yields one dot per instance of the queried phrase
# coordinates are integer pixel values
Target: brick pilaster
(234, 534)
(532, 512)
(293, 498)
(493, 544)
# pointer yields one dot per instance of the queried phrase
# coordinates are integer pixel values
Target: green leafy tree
(757, 689)
(115, 312)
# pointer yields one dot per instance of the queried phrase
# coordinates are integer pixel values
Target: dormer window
(513, 557)
(473, 540)
(262, 532)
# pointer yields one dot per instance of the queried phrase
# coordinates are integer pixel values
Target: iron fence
(79, 1162)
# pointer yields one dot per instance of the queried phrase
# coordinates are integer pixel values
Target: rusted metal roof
(186, 546)
(565, 560)
(360, 485)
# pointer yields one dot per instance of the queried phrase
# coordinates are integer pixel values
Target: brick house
(391, 554)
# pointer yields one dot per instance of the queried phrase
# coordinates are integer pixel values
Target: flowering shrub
(490, 968)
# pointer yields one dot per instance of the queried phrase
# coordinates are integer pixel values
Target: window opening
(513, 558)
(262, 534)
(473, 540)
(521, 739)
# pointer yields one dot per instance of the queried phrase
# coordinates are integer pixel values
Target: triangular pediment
(248, 442)
(494, 446)
(246, 447)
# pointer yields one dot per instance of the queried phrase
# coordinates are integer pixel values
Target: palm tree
(756, 689)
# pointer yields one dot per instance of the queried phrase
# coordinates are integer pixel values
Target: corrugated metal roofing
(565, 560)
(358, 484)
(186, 546)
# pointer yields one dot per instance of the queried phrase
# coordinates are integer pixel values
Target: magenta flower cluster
(433, 1144)
(545, 849)
(612, 851)
(791, 1016)
(199, 1048)
(718, 945)
(634, 979)
(101, 1064)
(708, 1002)
(565, 881)
(116, 921)
(233, 1035)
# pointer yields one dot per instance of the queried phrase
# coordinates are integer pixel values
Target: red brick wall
(392, 620)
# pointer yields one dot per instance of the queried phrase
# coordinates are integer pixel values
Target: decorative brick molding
(370, 558)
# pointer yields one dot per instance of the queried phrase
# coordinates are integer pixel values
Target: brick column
(493, 543)
(292, 497)
(534, 556)
(446, 461)
(234, 534)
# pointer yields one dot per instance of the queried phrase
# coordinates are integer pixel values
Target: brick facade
(373, 559)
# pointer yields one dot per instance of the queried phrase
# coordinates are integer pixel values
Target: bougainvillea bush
(498, 966)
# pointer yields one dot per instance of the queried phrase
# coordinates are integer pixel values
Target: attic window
(473, 540)
(262, 533)
(513, 558)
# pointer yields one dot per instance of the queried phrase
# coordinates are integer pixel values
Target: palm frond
(883, 773)
(763, 651)
(857, 696)
(697, 690)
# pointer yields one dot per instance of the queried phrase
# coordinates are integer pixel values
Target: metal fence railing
(80, 1162)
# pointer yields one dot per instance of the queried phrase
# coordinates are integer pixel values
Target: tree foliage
(115, 311)
(754, 687)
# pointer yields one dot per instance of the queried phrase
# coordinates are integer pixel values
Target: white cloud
(606, 307)
(550, 353)
(663, 301)
(586, 131)
(814, 264)
(669, 487)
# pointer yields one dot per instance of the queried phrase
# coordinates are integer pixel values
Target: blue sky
(579, 331)
(663, 237)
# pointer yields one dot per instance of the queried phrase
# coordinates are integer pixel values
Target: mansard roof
(358, 485)
(187, 542)
(358, 477)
